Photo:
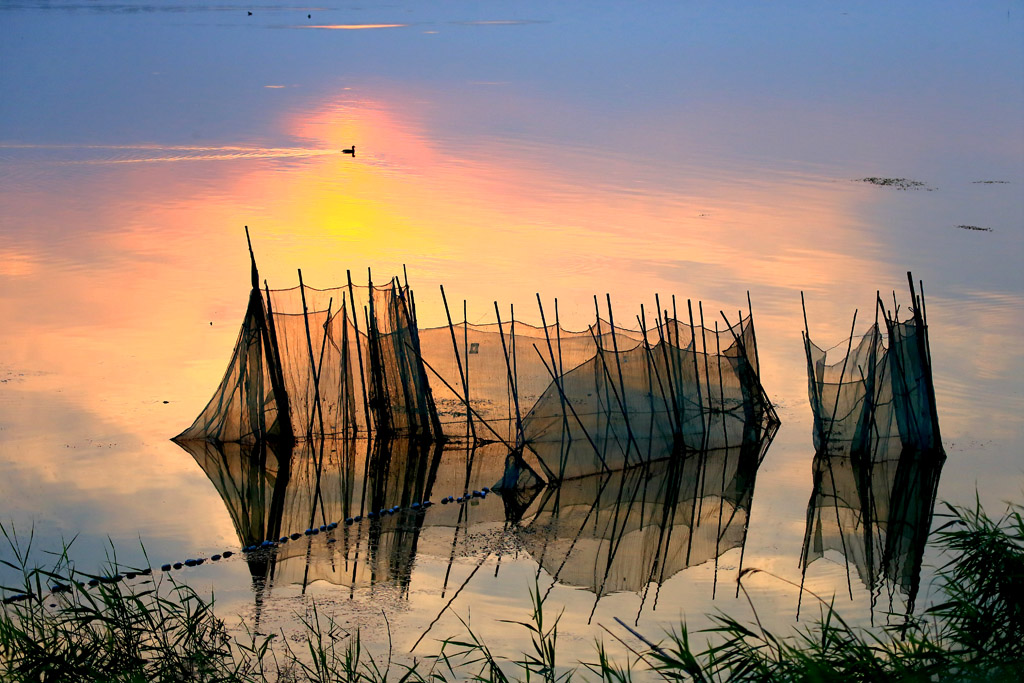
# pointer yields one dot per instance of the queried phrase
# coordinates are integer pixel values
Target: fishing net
(626, 530)
(350, 361)
(577, 403)
(312, 363)
(605, 532)
(272, 492)
(875, 391)
(876, 513)
(878, 451)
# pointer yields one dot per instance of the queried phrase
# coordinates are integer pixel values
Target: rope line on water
(264, 546)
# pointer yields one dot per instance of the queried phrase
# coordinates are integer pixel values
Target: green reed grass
(156, 629)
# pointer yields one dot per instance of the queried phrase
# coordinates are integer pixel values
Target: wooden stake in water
(511, 378)
(458, 359)
(359, 354)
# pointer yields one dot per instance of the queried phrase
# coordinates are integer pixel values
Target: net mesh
(606, 533)
(626, 530)
(876, 513)
(270, 492)
(874, 392)
(350, 361)
(343, 361)
(603, 399)
(878, 452)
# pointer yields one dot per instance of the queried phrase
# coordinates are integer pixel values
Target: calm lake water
(503, 149)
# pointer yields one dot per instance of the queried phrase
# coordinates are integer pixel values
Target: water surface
(502, 150)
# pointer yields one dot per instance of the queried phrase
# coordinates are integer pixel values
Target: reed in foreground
(68, 626)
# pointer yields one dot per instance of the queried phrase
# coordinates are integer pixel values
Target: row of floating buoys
(465, 498)
(264, 545)
(195, 562)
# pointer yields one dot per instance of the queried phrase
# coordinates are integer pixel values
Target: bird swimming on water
(351, 150)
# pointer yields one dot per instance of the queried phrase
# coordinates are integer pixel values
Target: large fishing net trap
(351, 362)
(878, 449)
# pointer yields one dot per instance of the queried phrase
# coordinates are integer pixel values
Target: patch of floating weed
(898, 183)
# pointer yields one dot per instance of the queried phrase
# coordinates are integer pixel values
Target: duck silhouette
(351, 150)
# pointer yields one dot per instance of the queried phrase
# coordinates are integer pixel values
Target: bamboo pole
(651, 375)
(426, 395)
(565, 446)
(551, 352)
(753, 335)
(891, 325)
(380, 397)
(312, 362)
(622, 385)
(696, 370)
(925, 351)
(813, 374)
(359, 354)
(573, 411)
(465, 350)
(265, 324)
(396, 310)
(610, 382)
(677, 408)
(458, 359)
(707, 377)
(317, 408)
(511, 380)
(512, 337)
(652, 363)
(346, 364)
(468, 407)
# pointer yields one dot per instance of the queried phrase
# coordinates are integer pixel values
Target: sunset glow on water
(500, 151)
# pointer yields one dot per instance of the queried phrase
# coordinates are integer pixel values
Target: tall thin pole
(707, 377)
(696, 370)
(610, 382)
(511, 379)
(622, 385)
(842, 373)
(753, 335)
(813, 373)
(563, 452)
(663, 342)
(925, 353)
(465, 352)
(573, 411)
(265, 323)
(359, 353)
(652, 363)
(317, 408)
(312, 363)
(458, 359)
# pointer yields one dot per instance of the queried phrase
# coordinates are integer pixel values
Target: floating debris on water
(976, 228)
(898, 183)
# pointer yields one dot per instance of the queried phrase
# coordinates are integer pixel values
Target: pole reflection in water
(274, 496)
(379, 503)
(877, 512)
(373, 497)
(634, 528)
